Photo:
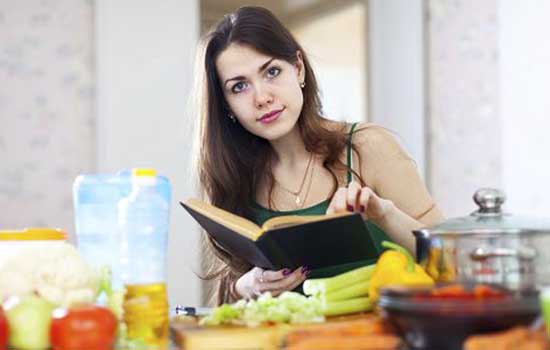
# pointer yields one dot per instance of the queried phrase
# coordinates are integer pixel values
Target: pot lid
(488, 219)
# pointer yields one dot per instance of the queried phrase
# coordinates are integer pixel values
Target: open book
(287, 241)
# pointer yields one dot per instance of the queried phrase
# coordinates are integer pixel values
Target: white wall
(46, 110)
(463, 92)
(525, 104)
(144, 53)
(336, 46)
(396, 54)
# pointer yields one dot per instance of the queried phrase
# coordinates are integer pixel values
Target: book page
(293, 220)
(234, 222)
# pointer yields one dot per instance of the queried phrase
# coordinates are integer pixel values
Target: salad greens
(289, 307)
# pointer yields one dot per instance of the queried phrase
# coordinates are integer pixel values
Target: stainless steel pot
(488, 246)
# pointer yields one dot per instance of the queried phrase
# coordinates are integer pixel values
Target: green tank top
(264, 214)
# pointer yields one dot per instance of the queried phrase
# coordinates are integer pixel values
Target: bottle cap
(144, 172)
(144, 176)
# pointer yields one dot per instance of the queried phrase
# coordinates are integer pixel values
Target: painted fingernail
(305, 268)
(362, 208)
(286, 272)
(350, 207)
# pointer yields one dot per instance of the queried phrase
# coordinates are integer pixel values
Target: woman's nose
(263, 97)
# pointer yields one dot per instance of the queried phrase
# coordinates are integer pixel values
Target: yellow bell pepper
(396, 266)
(448, 270)
(432, 267)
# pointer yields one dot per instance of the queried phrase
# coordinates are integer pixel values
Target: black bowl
(427, 323)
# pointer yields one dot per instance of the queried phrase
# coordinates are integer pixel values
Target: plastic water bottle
(95, 198)
(143, 221)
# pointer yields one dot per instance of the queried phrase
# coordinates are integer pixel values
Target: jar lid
(33, 234)
(488, 219)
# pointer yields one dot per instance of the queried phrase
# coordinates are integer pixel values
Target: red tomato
(87, 327)
(3, 330)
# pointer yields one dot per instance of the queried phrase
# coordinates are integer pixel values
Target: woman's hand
(355, 198)
(257, 280)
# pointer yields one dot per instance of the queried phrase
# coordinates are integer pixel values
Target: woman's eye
(273, 72)
(240, 86)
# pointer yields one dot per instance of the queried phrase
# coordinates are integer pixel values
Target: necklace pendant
(298, 200)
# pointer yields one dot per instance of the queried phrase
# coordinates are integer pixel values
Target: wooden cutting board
(189, 336)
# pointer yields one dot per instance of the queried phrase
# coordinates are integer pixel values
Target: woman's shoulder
(374, 141)
(361, 129)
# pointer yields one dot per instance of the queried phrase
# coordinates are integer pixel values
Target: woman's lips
(271, 116)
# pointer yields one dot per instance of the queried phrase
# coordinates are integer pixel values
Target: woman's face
(263, 92)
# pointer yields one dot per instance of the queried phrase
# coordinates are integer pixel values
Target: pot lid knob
(489, 200)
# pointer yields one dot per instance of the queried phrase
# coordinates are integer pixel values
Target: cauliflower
(58, 274)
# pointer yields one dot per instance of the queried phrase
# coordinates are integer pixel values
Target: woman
(266, 150)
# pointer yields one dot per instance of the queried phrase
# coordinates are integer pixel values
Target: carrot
(512, 339)
(365, 342)
(355, 328)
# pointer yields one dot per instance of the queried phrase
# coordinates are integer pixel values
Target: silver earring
(303, 85)
(232, 117)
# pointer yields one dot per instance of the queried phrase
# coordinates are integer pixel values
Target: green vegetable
(326, 285)
(114, 298)
(29, 320)
(289, 307)
(342, 307)
(357, 290)
(226, 313)
(114, 301)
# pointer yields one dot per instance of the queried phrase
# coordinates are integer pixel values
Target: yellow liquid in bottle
(545, 303)
(146, 313)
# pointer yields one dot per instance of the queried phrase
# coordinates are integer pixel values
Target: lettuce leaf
(289, 307)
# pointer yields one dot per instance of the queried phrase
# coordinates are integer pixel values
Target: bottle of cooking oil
(146, 313)
(143, 222)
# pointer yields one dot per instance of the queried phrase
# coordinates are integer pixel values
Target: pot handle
(524, 253)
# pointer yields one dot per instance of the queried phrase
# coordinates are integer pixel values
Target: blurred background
(97, 86)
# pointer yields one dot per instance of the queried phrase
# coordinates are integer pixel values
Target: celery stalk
(357, 290)
(319, 286)
(314, 286)
(342, 307)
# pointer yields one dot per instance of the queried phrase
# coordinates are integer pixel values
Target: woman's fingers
(351, 198)
(298, 281)
(354, 189)
(289, 282)
(363, 203)
(271, 276)
(338, 203)
(257, 281)
(258, 272)
(375, 207)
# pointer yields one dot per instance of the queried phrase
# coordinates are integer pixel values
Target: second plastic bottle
(144, 222)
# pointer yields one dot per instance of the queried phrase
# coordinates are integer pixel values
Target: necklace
(308, 186)
(296, 194)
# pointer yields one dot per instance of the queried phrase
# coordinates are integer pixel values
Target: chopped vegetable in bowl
(289, 307)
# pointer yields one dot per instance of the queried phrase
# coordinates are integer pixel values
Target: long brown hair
(231, 161)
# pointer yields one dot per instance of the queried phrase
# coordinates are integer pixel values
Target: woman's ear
(300, 67)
